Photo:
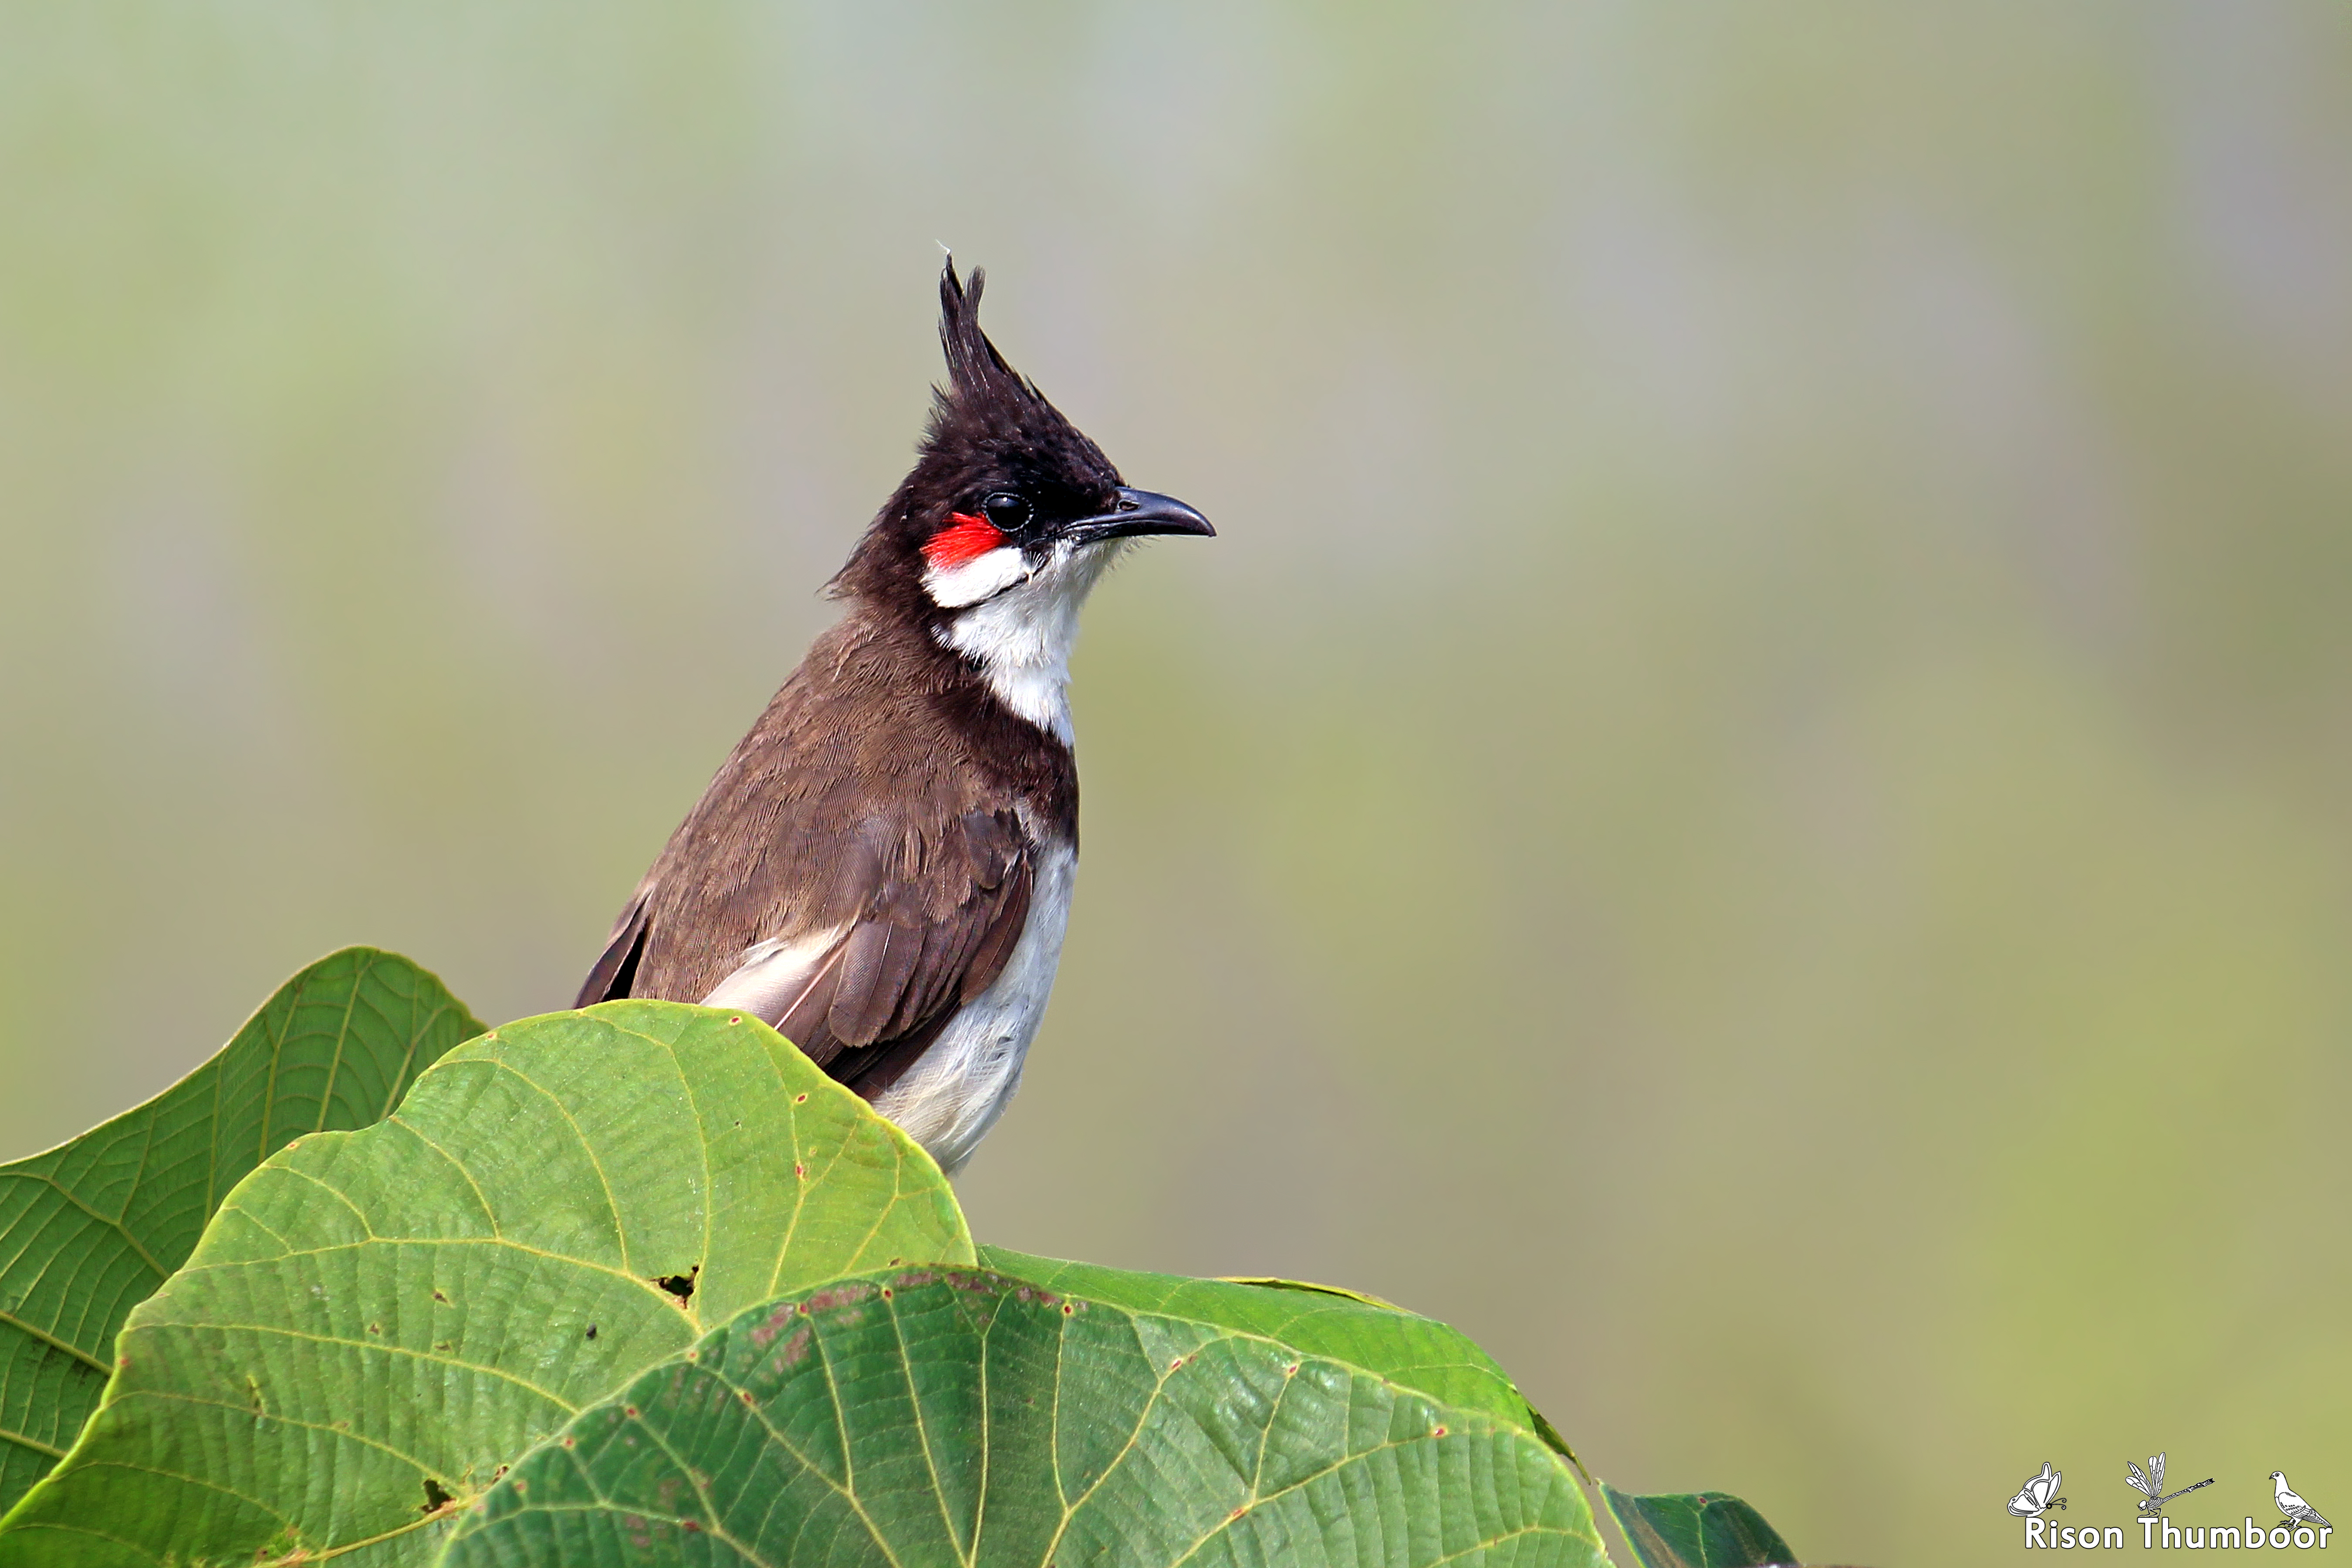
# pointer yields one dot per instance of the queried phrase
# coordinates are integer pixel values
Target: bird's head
(2278, 1474)
(1007, 498)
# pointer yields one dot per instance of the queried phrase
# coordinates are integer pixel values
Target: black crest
(990, 429)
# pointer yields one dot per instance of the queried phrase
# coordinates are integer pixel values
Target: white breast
(950, 1097)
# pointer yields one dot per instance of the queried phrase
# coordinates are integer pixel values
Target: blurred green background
(1751, 803)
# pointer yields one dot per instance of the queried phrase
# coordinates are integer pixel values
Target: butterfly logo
(2038, 1494)
(2149, 1483)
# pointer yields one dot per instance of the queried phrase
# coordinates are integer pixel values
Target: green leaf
(374, 1321)
(930, 1417)
(1695, 1530)
(89, 1229)
(1412, 1351)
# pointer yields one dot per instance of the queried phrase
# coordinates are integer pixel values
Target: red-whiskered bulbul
(882, 868)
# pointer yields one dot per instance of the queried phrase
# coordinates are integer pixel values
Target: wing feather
(863, 998)
(862, 865)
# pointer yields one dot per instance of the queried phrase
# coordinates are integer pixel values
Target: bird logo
(2038, 1495)
(2296, 1510)
(2150, 1482)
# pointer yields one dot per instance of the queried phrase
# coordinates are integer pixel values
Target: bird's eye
(1006, 510)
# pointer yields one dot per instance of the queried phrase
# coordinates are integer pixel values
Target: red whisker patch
(965, 538)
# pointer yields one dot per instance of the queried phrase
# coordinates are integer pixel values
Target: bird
(882, 868)
(2296, 1510)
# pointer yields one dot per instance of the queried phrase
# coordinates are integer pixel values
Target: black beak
(1139, 512)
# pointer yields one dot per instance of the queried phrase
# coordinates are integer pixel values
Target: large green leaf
(1416, 1354)
(89, 1229)
(1695, 1530)
(936, 1416)
(374, 1321)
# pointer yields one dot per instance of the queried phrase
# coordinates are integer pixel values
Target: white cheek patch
(952, 587)
(1021, 637)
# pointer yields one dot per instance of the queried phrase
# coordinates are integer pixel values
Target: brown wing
(861, 866)
(865, 996)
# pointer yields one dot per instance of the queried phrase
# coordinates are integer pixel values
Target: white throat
(1021, 633)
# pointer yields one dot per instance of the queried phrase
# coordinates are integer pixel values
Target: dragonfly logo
(2150, 1482)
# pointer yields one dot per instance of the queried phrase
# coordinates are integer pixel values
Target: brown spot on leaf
(592, 1332)
(437, 1496)
(762, 1334)
(839, 1296)
(679, 1284)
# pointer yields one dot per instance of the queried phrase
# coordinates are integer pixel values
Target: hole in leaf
(680, 1285)
(437, 1496)
(592, 1331)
